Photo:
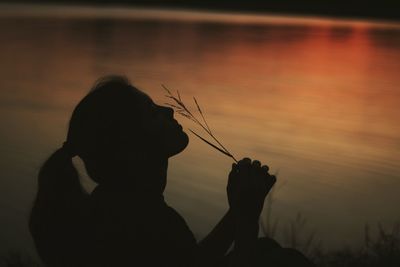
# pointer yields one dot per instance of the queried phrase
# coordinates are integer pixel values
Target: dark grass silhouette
(125, 140)
(382, 249)
(381, 245)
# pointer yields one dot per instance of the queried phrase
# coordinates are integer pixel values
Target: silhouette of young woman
(125, 140)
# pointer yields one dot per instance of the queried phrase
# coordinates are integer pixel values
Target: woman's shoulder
(174, 216)
(176, 231)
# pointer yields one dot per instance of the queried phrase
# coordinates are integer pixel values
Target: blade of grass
(185, 112)
(166, 89)
(201, 113)
(211, 144)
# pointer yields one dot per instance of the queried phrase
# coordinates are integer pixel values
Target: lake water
(316, 99)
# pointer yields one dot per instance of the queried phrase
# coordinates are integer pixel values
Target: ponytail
(58, 214)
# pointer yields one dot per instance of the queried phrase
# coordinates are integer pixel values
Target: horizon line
(185, 14)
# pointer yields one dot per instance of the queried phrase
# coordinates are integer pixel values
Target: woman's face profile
(161, 133)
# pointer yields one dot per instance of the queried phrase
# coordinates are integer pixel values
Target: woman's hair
(98, 123)
(57, 221)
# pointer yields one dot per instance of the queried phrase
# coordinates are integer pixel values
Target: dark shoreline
(382, 10)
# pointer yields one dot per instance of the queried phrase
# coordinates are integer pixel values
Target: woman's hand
(248, 185)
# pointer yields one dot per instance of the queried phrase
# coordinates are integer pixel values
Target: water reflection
(319, 102)
(388, 38)
(341, 33)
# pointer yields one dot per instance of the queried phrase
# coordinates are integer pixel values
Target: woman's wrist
(244, 216)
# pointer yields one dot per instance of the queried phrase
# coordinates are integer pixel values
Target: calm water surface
(317, 100)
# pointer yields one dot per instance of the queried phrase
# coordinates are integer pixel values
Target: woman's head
(116, 129)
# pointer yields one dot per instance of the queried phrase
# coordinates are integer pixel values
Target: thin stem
(201, 113)
(184, 111)
(214, 146)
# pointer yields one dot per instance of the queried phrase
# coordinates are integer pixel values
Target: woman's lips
(177, 124)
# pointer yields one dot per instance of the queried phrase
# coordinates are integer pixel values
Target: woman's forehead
(142, 96)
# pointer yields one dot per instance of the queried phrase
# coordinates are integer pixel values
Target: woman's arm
(218, 241)
(248, 185)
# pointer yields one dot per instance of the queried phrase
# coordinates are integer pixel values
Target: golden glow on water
(315, 99)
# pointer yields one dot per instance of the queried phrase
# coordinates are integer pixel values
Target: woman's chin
(179, 144)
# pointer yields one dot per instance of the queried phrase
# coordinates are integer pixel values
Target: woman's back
(129, 228)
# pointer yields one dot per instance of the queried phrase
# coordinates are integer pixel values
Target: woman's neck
(149, 177)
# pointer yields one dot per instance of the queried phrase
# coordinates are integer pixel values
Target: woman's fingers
(265, 178)
(256, 164)
(252, 173)
(272, 179)
(243, 160)
(234, 167)
(248, 185)
(247, 160)
(244, 166)
(269, 181)
(265, 167)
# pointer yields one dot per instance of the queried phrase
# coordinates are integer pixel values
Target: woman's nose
(168, 111)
